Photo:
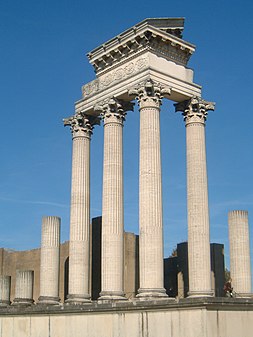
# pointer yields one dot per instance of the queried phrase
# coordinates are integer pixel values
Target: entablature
(151, 50)
(180, 89)
(160, 36)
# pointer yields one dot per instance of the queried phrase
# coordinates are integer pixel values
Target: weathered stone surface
(5, 289)
(195, 112)
(112, 262)
(239, 252)
(79, 245)
(24, 287)
(149, 97)
(207, 317)
(50, 260)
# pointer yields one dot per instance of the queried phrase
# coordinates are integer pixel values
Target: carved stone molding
(171, 51)
(115, 76)
(194, 110)
(149, 94)
(161, 36)
(80, 125)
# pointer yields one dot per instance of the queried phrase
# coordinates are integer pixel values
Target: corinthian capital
(194, 110)
(80, 125)
(114, 110)
(149, 94)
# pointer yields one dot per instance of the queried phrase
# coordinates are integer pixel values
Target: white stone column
(112, 265)
(50, 260)
(5, 287)
(79, 245)
(149, 97)
(195, 112)
(24, 287)
(240, 270)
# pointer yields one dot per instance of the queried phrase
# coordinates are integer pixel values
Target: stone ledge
(219, 303)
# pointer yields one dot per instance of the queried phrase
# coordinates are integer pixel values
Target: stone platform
(203, 317)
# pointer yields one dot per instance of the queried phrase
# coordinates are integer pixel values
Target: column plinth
(149, 97)
(50, 261)
(239, 247)
(195, 112)
(79, 244)
(112, 264)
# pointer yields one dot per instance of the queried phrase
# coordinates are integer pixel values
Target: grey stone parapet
(208, 303)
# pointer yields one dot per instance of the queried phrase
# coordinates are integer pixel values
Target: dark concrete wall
(218, 268)
(176, 270)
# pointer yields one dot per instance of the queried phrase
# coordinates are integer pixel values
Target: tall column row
(149, 96)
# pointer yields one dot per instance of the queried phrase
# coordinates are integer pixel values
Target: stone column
(50, 260)
(5, 287)
(112, 287)
(79, 245)
(239, 252)
(24, 287)
(149, 97)
(195, 112)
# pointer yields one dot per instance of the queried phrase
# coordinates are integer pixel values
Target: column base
(112, 296)
(151, 293)
(242, 295)
(78, 299)
(49, 300)
(23, 301)
(4, 304)
(200, 293)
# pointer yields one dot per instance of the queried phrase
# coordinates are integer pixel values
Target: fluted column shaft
(240, 270)
(195, 112)
(24, 287)
(150, 192)
(79, 245)
(5, 287)
(112, 286)
(50, 260)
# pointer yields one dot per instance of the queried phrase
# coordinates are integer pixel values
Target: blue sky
(42, 68)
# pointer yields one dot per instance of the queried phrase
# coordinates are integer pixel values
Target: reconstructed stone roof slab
(152, 34)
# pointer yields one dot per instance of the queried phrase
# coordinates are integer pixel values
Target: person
(228, 288)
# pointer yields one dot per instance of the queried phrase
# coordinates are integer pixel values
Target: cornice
(147, 35)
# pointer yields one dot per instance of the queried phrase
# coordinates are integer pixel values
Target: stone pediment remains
(161, 36)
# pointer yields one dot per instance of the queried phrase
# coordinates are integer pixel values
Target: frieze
(115, 76)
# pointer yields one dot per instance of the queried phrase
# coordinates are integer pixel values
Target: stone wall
(10, 261)
(175, 272)
(188, 318)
